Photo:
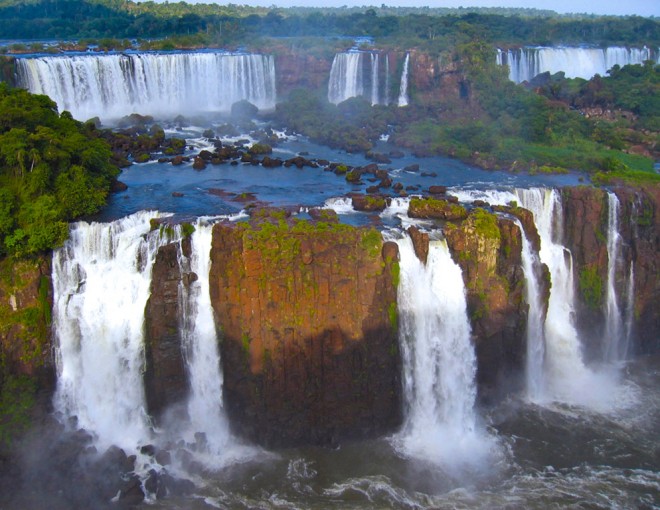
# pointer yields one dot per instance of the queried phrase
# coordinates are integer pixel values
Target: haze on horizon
(604, 7)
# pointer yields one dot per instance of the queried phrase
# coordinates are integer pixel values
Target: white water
(575, 62)
(403, 92)
(200, 342)
(101, 283)
(375, 99)
(350, 76)
(439, 364)
(568, 378)
(534, 365)
(112, 86)
(614, 342)
(346, 78)
(386, 94)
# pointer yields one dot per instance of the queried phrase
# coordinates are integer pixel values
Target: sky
(616, 7)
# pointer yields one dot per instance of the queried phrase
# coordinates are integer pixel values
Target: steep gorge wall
(309, 335)
(585, 228)
(25, 319)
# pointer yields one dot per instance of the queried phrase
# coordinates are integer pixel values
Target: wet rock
(411, 168)
(177, 194)
(118, 186)
(437, 190)
(269, 162)
(420, 243)
(199, 164)
(368, 203)
(433, 208)
(177, 160)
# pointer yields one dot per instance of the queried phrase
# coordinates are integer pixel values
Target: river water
(515, 454)
(550, 457)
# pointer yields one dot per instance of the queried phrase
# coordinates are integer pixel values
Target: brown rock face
(165, 377)
(300, 70)
(585, 234)
(308, 315)
(488, 249)
(639, 226)
(25, 320)
(420, 243)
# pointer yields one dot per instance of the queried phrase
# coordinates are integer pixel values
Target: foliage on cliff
(52, 170)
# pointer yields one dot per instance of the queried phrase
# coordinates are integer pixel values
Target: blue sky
(617, 7)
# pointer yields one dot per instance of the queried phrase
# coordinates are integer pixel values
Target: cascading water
(567, 377)
(375, 99)
(200, 342)
(439, 363)
(346, 78)
(403, 93)
(101, 283)
(525, 63)
(534, 371)
(386, 93)
(111, 86)
(615, 339)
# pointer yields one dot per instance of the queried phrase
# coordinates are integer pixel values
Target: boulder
(433, 208)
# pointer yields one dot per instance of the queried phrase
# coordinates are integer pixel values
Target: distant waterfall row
(525, 63)
(366, 74)
(112, 86)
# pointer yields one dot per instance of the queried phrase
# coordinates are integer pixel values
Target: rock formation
(308, 318)
(488, 249)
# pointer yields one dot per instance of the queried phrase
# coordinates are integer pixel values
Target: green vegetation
(17, 397)
(372, 242)
(393, 314)
(187, 229)
(52, 170)
(485, 224)
(591, 287)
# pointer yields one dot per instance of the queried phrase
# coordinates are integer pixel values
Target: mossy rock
(433, 208)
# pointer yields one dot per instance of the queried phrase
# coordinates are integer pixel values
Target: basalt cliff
(306, 310)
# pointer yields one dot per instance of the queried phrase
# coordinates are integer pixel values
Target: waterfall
(101, 283)
(439, 361)
(403, 93)
(568, 379)
(386, 94)
(630, 306)
(615, 338)
(374, 79)
(200, 341)
(346, 78)
(112, 86)
(535, 320)
(575, 62)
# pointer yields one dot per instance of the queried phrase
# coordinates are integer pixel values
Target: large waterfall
(351, 75)
(575, 62)
(346, 79)
(101, 283)
(568, 378)
(439, 362)
(111, 86)
(100, 343)
(555, 369)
